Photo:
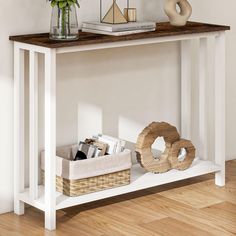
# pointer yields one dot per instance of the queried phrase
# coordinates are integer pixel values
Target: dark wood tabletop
(162, 30)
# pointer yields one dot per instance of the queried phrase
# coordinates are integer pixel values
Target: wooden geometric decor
(174, 153)
(147, 138)
(169, 158)
(114, 15)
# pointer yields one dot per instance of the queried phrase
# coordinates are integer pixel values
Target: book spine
(97, 27)
(118, 148)
(123, 28)
(117, 33)
(117, 28)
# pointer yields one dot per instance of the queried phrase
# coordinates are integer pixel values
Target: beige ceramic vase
(178, 18)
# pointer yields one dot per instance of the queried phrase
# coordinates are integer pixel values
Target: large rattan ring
(144, 146)
(175, 151)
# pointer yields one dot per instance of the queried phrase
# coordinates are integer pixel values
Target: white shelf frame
(46, 198)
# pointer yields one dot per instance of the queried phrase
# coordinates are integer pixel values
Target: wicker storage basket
(75, 178)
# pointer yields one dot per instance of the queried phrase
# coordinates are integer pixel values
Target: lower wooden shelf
(140, 179)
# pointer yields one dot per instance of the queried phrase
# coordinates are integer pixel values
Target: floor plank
(191, 207)
(224, 215)
(173, 227)
(194, 195)
(184, 213)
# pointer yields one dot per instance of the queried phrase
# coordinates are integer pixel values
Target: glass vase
(64, 23)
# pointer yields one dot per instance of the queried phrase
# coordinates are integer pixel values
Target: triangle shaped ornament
(114, 15)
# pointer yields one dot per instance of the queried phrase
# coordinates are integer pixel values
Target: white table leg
(186, 89)
(220, 107)
(202, 98)
(33, 134)
(50, 139)
(18, 128)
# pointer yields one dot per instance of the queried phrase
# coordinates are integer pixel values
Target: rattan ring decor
(174, 153)
(169, 158)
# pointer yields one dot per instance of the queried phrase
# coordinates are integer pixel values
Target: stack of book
(97, 146)
(118, 29)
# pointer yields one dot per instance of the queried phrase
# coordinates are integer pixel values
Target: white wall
(144, 87)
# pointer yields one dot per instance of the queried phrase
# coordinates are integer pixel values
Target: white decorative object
(178, 18)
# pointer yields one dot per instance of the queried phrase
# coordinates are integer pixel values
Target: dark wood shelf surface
(163, 29)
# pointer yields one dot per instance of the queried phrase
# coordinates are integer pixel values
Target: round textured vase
(64, 24)
(178, 18)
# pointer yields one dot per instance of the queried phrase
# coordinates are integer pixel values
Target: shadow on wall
(116, 91)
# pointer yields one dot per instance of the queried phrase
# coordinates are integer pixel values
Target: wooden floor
(191, 207)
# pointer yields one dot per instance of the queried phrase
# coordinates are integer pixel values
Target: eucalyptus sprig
(64, 3)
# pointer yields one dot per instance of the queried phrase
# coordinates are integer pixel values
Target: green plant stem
(58, 18)
(68, 14)
(63, 22)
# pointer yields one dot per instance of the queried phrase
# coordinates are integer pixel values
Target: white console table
(46, 198)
